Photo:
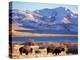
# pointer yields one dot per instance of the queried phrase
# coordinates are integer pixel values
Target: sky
(36, 6)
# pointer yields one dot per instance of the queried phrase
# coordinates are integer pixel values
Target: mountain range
(57, 20)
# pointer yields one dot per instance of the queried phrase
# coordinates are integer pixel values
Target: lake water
(48, 38)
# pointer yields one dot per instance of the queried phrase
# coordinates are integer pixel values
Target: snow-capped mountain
(57, 19)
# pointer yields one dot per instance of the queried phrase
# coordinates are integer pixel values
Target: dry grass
(67, 45)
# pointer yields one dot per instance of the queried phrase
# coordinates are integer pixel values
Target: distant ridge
(57, 19)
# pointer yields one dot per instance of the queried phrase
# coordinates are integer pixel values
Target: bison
(25, 50)
(50, 49)
(58, 50)
(72, 50)
(55, 50)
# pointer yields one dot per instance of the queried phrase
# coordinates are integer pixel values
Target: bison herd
(41, 49)
(53, 50)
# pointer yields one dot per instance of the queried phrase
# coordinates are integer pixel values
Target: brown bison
(25, 50)
(50, 49)
(55, 50)
(58, 50)
(73, 50)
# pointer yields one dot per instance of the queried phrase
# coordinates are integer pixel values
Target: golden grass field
(16, 54)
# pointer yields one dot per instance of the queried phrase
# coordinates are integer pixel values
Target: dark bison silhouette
(50, 49)
(72, 50)
(58, 50)
(55, 50)
(25, 50)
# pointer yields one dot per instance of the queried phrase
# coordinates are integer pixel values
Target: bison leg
(20, 50)
(26, 53)
(31, 50)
